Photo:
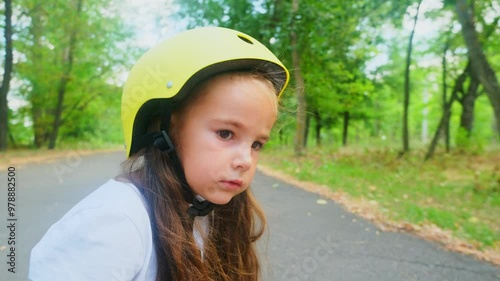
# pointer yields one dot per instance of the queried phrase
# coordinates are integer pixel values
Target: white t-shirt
(106, 236)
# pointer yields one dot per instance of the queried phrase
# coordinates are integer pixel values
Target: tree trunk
(306, 131)
(494, 126)
(345, 130)
(38, 127)
(425, 116)
(468, 101)
(458, 87)
(406, 103)
(446, 125)
(317, 118)
(299, 86)
(479, 63)
(12, 140)
(37, 97)
(444, 117)
(68, 63)
(7, 74)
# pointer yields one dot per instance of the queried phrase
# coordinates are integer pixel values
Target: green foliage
(354, 63)
(99, 55)
(459, 193)
(470, 144)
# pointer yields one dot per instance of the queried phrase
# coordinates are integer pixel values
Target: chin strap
(158, 139)
(200, 207)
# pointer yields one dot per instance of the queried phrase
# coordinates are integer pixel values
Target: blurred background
(396, 103)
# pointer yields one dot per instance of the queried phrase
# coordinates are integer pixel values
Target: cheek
(194, 151)
(195, 171)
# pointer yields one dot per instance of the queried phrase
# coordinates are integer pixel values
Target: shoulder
(112, 194)
(113, 200)
(109, 230)
(115, 197)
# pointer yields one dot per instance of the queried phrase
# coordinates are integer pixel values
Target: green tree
(7, 74)
(300, 131)
(480, 66)
(66, 70)
(67, 65)
(406, 103)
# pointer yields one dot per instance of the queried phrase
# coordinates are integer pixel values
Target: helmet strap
(162, 142)
(198, 206)
(161, 139)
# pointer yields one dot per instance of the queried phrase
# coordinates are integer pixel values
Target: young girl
(196, 110)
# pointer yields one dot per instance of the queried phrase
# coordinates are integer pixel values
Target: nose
(243, 158)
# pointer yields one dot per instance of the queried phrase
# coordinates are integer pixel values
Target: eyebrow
(231, 122)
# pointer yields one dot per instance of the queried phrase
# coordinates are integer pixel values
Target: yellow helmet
(169, 71)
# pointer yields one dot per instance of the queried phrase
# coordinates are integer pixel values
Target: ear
(174, 129)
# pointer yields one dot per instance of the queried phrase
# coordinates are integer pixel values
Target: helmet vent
(244, 38)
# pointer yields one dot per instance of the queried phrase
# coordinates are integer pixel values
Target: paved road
(306, 241)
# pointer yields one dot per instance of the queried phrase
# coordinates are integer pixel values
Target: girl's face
(220, 135)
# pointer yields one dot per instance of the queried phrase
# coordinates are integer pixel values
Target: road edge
(370, 211)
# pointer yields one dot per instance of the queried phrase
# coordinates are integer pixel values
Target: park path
(306, 240)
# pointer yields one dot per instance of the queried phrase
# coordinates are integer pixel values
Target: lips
(232, 184)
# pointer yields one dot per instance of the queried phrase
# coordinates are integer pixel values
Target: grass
(457, 192)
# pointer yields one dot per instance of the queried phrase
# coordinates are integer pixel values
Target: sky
(144, 16)
(152, 20)
(426, 30)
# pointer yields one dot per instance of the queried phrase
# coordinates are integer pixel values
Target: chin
(219, 200)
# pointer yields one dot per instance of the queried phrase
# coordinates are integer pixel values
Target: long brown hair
(229, 250)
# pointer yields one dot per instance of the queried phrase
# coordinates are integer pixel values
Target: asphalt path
(305, 241)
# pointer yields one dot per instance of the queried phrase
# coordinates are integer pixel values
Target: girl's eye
(257, 145)
(225, 134)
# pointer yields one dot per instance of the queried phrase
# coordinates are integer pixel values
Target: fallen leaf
(321, 202)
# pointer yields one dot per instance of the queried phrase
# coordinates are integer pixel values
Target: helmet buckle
(163, 142)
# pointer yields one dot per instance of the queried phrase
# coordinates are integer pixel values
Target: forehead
(246, 100)
(234, 89)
